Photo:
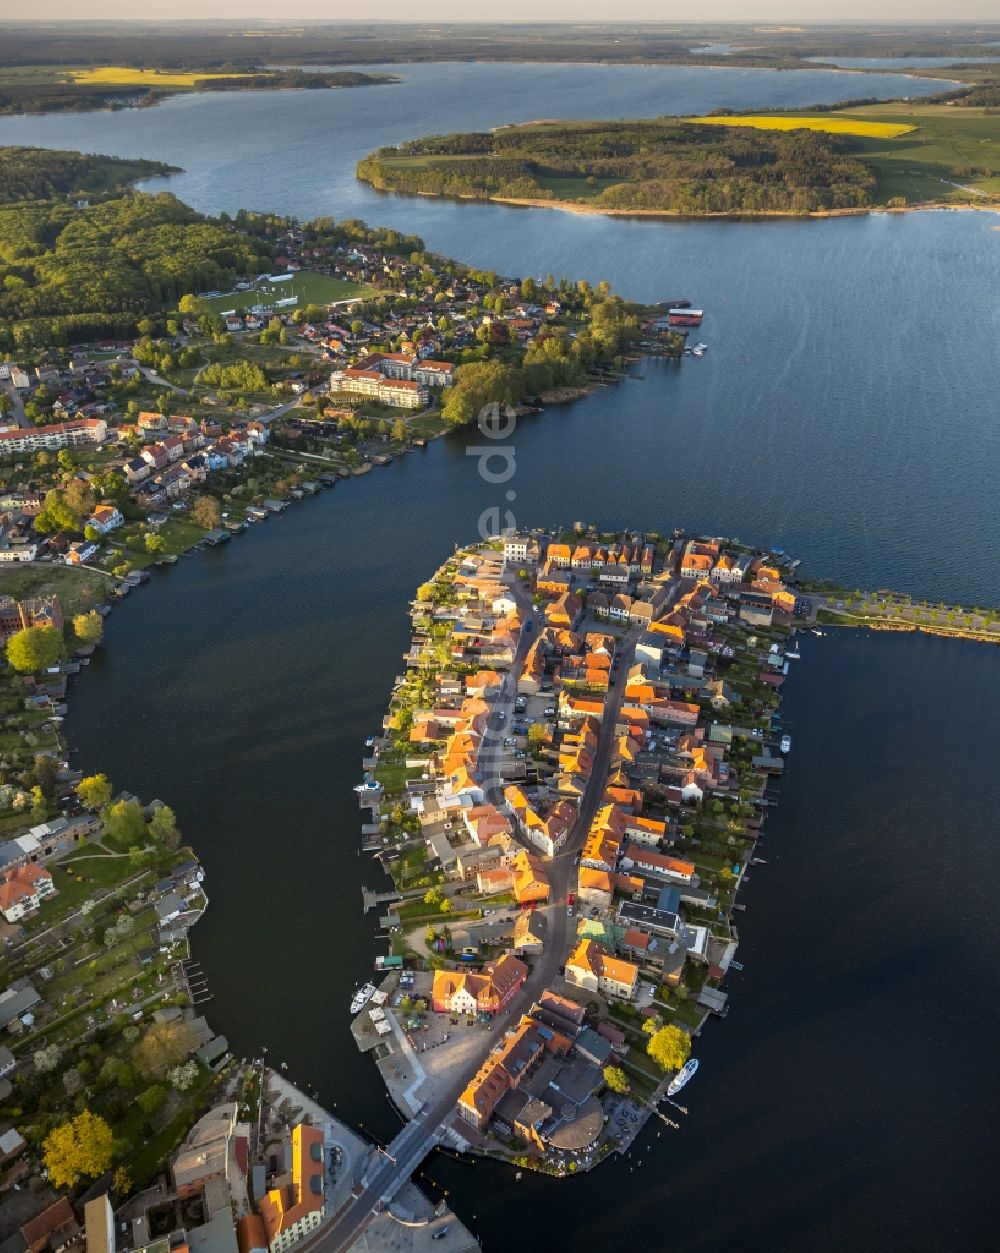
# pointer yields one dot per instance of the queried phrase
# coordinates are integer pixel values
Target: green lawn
(393, 776)
(78, 590)
(579, 188)
(309, 287)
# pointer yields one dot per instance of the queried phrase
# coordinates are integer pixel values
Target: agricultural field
(308, 287)
(828, 123)
(128, 76)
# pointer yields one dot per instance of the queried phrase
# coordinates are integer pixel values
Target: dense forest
(47, 173)
(663, 166)
(69, 274)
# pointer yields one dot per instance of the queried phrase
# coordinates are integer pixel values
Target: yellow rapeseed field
(126, 76)
(831, 124)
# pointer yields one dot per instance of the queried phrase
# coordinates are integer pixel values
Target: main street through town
(391, 1167)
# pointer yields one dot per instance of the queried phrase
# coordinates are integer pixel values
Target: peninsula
(57, 88)
(894, 155)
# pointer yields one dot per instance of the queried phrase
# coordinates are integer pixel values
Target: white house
(105, 518)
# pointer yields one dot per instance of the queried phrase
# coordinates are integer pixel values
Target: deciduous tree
(670, 1047)
(94, 791)
(35, 648)
(81, 1147)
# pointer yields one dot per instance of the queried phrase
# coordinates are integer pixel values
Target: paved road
(17, 413)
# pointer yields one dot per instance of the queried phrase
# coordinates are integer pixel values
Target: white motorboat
(361, 998)
(683, 1076)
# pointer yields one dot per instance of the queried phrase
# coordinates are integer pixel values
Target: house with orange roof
(591, 967)
(491, 880)
(470, 992)
(674, 713)
(531, 883)
(565, 611)
(657, 865)
(594, 887)
(483, 822)
(23, 890)
(297, 1204)
(560, 555)
(648, 831)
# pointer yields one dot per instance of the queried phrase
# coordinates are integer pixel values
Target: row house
(80, 433)
(468, 992)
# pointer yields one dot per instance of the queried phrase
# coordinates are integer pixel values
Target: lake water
(846, 411)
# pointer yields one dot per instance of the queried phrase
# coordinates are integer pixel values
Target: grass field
(310, 289)
(830, 123)
(127, 76)
(78, 590)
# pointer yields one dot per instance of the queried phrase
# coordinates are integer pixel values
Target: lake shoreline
(666, 215)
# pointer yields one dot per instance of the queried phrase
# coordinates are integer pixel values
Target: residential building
(105, 519)
(468, 992)
(36, 611)
(79, 433)
(592, 968)
(297, 1205)
(23, 890)
(99, 1225)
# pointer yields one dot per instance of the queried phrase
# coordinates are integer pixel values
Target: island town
(570, 785)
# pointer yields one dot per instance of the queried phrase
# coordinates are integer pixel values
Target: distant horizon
(803, 13)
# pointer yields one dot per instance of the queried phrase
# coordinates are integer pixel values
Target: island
(894, 155)
(570, 786)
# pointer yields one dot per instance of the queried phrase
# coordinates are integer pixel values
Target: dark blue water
(846, 411)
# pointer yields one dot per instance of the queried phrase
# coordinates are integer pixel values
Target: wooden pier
(370, 899)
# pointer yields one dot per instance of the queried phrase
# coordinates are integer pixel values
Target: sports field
(308, 287)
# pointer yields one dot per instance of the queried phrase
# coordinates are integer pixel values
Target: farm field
(128, 76)
(828, 123)
(309, 288)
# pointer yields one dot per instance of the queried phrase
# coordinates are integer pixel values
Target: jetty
(370, 900)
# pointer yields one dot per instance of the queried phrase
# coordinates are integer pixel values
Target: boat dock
(370, 899)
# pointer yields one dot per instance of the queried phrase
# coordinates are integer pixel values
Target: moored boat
(683, 1076)
(361, 997)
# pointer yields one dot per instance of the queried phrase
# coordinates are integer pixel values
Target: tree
(94, 791)
(125, 823)
(91, 534)
(184, 1076)
(82, 1146)
(47, 1059)
(155, 543)
(72, 1081)
(162, 1047)
(35, 648)
(163, 826)
(405, 1005)
(616, 1079)
(649, 1026)
(207, 512)
(670, 1047)
(151, 1100)
(88, 627)
(64, 460)
(121, 1181)
(432, 897)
